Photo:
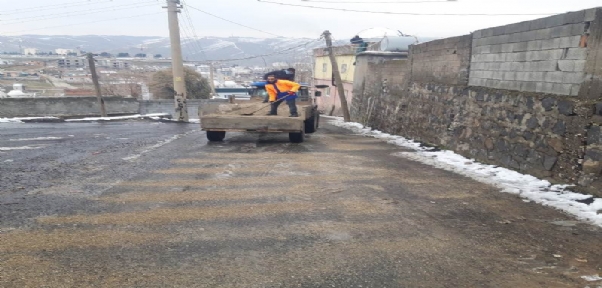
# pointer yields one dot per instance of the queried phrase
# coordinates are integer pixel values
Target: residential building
(72, 63)
(323, 77)
(61, 51)
(112, 63)
(30, 51)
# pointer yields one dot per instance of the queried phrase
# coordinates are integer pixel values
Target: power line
(80, 12)
(83, 23)
(53, 7)
(406, 13)
(270, 54)
(197, 41)
(242, 25)
(378, 2)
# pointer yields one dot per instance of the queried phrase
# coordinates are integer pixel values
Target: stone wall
(501, 119)
(442, 61)
(546, 55)
(65, 106)
(167, 106)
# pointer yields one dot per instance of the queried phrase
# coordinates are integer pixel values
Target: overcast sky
(81, 17)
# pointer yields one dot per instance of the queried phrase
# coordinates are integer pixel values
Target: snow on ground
(592, 278)
(20, 148)
(21, 119)
(37, 139)
(137, 116)
(526, 186)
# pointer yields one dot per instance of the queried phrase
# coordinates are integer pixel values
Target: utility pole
(177, 64)
(337, 76)
(211, 83)
(101, 102)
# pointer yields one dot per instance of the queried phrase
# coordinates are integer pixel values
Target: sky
(148, 18)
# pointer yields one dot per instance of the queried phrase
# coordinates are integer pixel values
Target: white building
(19, 92)
(30, 51)
(61, 51)
(72, 63)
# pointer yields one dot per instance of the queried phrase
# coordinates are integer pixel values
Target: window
(344, 68)
(328, 91)
(324, 67)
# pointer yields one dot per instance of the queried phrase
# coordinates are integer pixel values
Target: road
(146, 204)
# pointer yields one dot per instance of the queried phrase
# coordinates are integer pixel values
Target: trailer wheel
(310, 124)
(216, 136)
(296, 137)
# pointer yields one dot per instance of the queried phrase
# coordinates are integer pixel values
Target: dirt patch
(65, 239)
(175, 215)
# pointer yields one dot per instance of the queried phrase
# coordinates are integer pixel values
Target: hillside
(206, 48)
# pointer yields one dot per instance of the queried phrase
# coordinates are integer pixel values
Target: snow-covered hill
(206, 48)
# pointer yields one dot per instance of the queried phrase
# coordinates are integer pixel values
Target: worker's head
(271, 78)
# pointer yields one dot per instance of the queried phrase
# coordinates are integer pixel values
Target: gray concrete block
(578, 29)
(500, 57)
(574, 17)
(524, 37)
(521, 76)
(566, 65)
(562, 89)
(580, 65)
(498, 75)
(534, 45)
(535, 76)
(500, 30)
(520, 47)
(509, 76)
(488, 74)
(541, 34)
(477, 34)
(575, 89)
(507, 48)
(555, 54)
(474, 81)
(569, 42)
(517, 57)
(573, 77)
(485, 49)
(528, 86)
(554, 21)
(550, 44)
(514, 85)
(516, 66)
(576, 54)
(590, 14)
(506, 66)
(503, 39)
(536, 24)
(514, 38)
(497, 48)
(554, 77)
(544, 87)
(544, 66)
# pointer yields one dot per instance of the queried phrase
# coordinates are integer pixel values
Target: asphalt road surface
(146, 204)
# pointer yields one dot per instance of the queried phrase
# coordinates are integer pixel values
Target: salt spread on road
(526, 186)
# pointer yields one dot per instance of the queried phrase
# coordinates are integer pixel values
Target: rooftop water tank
(397, 43)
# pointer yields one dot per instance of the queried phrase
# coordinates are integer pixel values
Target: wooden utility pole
(337, 76)
(177, 64)
(101, 102)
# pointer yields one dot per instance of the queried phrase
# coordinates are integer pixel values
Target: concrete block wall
(442, 61)
(65, 106)
(546, 55)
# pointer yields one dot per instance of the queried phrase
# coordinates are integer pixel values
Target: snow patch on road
(20, 148)
(137, 116)
(158, 145)
(21, 119)
(37, 139)
(526, 186)
(592, 278)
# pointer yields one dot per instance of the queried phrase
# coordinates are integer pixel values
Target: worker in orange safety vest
(282, 90)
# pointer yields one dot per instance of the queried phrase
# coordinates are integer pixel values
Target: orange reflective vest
(282, 86)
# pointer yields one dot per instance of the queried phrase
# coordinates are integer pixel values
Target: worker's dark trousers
(291, 105)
